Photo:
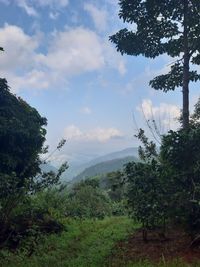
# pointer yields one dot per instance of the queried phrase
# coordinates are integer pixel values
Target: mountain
(103, 168)
(75, 169)
(48, 167)
(128, 152)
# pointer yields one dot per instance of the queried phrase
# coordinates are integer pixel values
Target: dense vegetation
(22, 135)
(85, 244)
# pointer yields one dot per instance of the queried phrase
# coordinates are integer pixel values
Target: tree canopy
(163, 27)
(22, 135)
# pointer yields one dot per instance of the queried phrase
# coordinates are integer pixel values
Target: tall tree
(169, 27)
(22, 135)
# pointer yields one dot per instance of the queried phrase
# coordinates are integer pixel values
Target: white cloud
(103, 134)
(114, 58)
(72, 132)
(31, 80)
(99, 16)
(75, 51)
(19, 48)
(86, 110)
(28, 9)
(98, 134)
(19, 61)
(71, 52)
(78, 50)
(165, 114)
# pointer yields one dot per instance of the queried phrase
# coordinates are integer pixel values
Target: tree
(22, 135)
(164, 27)
(147, 195)
(146, 189)
(180, 153)
(115, 185)
(180, 158)
(88, 200)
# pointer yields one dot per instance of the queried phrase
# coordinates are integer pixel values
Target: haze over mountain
(48, 167)
(75, 169)
(104, 168)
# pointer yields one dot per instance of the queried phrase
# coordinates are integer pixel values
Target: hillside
(104, 167)
(48, 167)
(75, 169)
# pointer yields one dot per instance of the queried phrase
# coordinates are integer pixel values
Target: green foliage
(22, 135)
(87, 243)
(52, 201)
(146, 193)
(180, 155)
(114, 184)
(149, 149)
(120, 208)
(116, 188)
(195, 117)
(87, 200)
(165, 186)
(159, 30)
(163, 27)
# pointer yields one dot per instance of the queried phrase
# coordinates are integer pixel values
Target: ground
(112, 242)
(176, 246)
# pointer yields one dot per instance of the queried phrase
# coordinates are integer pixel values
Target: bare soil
(175, 246)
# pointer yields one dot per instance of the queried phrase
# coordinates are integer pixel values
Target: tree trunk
(186, 74)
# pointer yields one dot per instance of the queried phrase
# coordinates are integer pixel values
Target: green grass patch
(85, 244)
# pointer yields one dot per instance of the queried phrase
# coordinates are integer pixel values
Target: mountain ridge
(75, 170)
(103, 168)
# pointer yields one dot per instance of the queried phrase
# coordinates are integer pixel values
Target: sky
(59, 59)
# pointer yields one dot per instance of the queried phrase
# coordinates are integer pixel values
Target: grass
(84, 244)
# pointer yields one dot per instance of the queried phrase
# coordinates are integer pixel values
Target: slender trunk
(186, 69)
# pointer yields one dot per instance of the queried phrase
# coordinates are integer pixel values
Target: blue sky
(59, 59)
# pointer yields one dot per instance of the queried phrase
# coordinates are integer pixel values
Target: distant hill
(128, 152)
(75, 169)
(48, 167)
(103, 168)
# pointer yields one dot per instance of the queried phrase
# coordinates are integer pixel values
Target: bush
(147, 195)
(180, 156)
(87, 200)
